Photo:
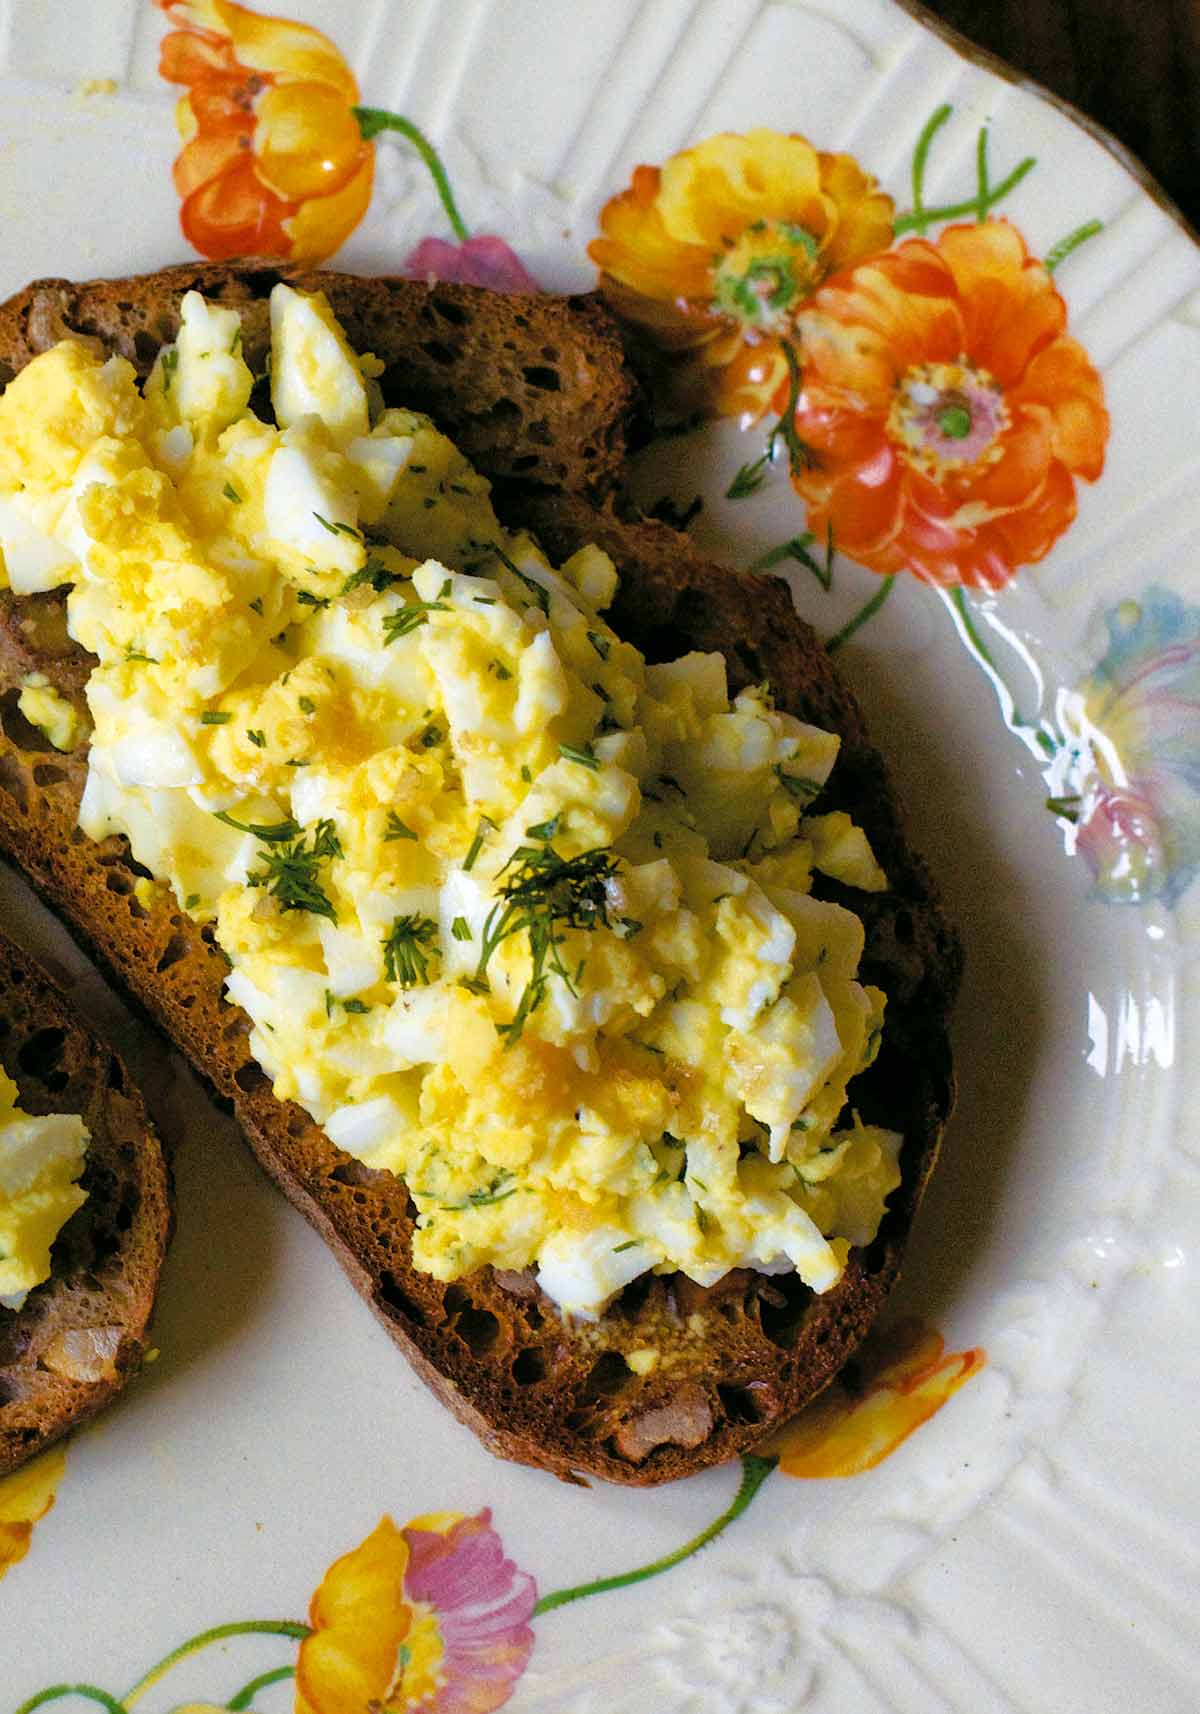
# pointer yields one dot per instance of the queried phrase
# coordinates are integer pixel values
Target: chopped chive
(215, 717)
(256, 736)
(460, 928)
(256, 606)
(192, 900)
(583, 754)
(629, 1244)
(356, 1006)
(396, 829)
(486, 825)
(231, 493)
(544, 830)
(307, 705)
(601, 644)
(338, 529)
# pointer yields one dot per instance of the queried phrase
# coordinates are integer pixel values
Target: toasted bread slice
(83, 1334)
(736, 1359)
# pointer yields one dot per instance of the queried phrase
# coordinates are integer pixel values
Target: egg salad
(515, 914)
(40, 1160)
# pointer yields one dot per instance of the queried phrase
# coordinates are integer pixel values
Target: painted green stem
(868, 611)
(248, 1692)
(373, 120)
(754, 1473)
(1065, 247)
(1013, 718)
(918, 218)
(56, 1691)
(243, 1628)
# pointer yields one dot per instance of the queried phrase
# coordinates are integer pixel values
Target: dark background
(1132, 65)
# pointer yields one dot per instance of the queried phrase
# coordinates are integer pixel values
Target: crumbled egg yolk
(515, 914)
(40, 1160)
(51, 712)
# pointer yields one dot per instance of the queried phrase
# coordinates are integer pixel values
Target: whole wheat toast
(738, 1357)
(83, 1334)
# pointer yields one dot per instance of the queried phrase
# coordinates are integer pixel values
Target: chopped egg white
(514, 914)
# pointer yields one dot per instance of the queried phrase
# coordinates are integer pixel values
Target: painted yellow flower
(360, 1618)
(431, 1617)
(25, 1497)
(716, 252)
(273, 162)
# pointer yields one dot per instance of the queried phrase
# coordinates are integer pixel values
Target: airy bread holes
(41, 1057)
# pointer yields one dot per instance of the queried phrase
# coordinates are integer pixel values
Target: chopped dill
(405, 958)
(291, 870)
(406, 620)
(544, 893)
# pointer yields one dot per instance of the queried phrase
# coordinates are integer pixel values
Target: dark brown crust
(738, 1358)
(107, 1258)
(550, 396)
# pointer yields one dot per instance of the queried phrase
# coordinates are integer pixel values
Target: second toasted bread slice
(82, 1334)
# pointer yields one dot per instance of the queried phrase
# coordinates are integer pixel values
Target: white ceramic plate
(1032, 1547)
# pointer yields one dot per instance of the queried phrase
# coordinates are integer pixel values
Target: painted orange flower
(947, 410)
(25, 1498)
(431, 1617)
(273, 161)
(715, 253)
(897, 1381)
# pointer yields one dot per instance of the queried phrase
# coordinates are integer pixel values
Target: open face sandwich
(636, 1379)
(85, 1212)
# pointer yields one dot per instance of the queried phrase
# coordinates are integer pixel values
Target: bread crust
(738, 1358)
(82, 1334)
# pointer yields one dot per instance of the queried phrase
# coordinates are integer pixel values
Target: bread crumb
(643, 1361)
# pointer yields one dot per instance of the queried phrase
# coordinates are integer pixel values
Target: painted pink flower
(1136, 756)
(481, 1604)
(428, 1619)
(483, 261)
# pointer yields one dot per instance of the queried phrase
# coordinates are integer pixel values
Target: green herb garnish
(543, 894)
(306, 599)
(290, 871)
(231, 493)
(402, 623)
(307, 705)
(359, 1007)
(486, 826)
(256, 606)
(405, 958)
(601, 644)
(215, 717)
(338, 529)
(373, 572)
(257, 737)
(397, 829)
(584, 755)
(460, 928)
(543, 830)
(273, 834)
(170, 362)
